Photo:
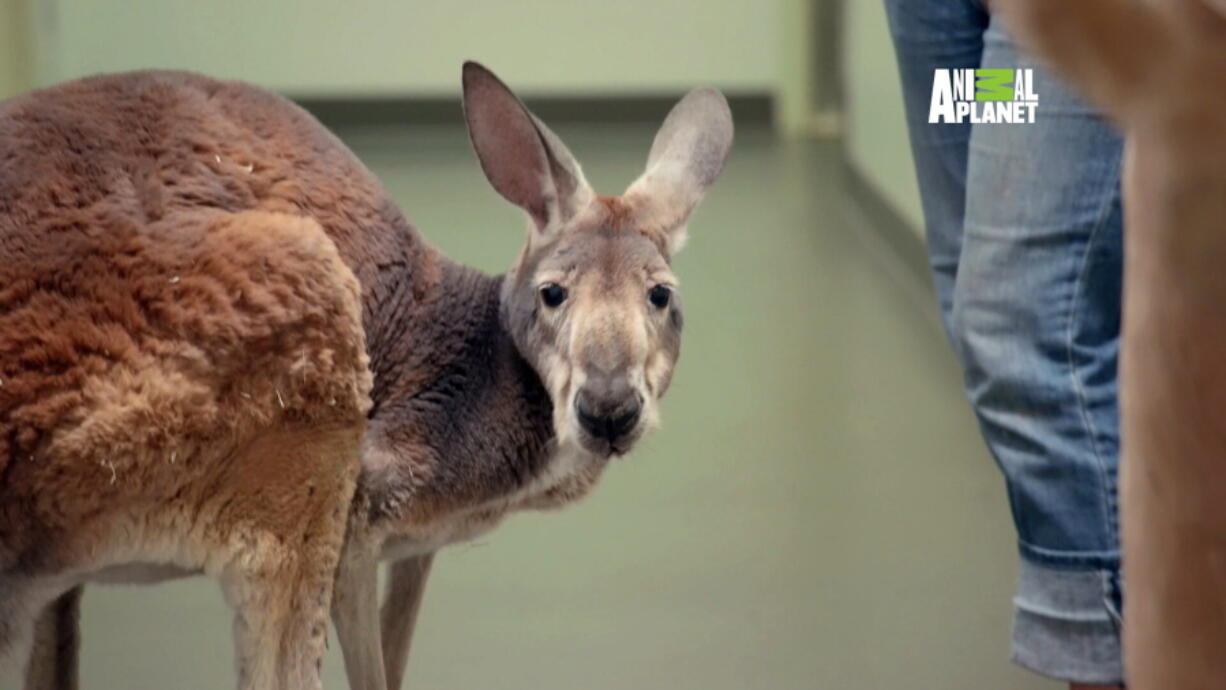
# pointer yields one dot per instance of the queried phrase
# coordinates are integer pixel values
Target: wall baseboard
(895, 230)
(891, 235)
(747, 109)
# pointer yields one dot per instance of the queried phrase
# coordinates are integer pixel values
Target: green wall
(14, 65)
(375, 47)
(876, 130)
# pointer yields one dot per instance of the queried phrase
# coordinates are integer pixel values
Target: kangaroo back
(184, 377)
(175, 275)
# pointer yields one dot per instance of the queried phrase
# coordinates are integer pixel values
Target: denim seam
(1087, 422)
(1068, 560)
(1062, 616)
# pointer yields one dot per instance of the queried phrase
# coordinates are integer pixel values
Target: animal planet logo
(983, 96)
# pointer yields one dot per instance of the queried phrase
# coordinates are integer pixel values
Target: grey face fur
(606, 352)
(592, 303)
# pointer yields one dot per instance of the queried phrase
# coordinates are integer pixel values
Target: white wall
(877, 142)
(389, 47)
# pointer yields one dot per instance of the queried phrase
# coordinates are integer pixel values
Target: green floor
(818, 511)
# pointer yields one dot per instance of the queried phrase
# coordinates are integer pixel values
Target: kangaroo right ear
(687, 155)
(525, 162)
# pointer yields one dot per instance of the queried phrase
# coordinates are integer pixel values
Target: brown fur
(157, 305)
(621, 213)
(170, 305)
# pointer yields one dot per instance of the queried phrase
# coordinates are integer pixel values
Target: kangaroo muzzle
(608, 409)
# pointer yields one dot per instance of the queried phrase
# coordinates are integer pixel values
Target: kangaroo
(224, 350)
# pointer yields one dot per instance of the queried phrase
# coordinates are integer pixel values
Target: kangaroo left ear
(686, 157)
(523, 160)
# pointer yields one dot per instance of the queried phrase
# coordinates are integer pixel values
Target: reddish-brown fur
(157, 297)
(176, 304)
(623, 213)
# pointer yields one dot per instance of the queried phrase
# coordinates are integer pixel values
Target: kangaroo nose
(608, 408)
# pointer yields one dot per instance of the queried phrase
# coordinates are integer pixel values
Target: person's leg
(930, 35)
(1036, 314)
(948, 34)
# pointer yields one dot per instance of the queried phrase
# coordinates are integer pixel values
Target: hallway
(817, 512)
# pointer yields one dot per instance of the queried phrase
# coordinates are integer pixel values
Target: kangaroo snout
(608, 409)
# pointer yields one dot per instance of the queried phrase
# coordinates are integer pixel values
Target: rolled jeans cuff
(1066, 624)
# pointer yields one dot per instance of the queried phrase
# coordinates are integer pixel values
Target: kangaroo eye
(659, 296)
(553, 294)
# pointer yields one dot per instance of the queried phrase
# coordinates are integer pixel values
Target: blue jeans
(1024, 238)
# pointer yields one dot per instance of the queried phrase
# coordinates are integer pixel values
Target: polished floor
(817, 512)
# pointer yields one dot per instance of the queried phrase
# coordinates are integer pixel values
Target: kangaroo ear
(524, 161)
(687, 155)
(1110, 49)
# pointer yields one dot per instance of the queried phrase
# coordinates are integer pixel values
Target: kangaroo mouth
(608, 448)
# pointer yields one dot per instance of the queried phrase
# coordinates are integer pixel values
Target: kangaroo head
(592, 302)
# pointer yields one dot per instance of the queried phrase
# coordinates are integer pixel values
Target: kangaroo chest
(567, 475)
